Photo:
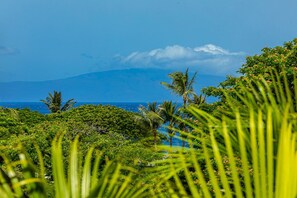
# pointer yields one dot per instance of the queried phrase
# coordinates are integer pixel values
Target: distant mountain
(132, 85)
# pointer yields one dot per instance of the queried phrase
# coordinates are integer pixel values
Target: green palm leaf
(248, 152)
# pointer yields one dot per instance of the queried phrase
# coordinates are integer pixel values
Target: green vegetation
(247, 154)
(106, 119)
(182, 85)
(112, 130)
(9, 123)
(272, 61)
(94, 177)
(150, 118)
(168, 110)
(244, 145)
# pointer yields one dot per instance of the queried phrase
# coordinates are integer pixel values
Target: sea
(42, 108)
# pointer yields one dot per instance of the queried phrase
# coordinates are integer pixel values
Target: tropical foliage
(83, 179)
(245, 148)
(247, 152)
(198, 101)
(109, 129)
(181, 85)
(104, 119)
(10, 124)
(168, 111)
(250, 151)
(54, 102)
(280, 59)
(150, 118)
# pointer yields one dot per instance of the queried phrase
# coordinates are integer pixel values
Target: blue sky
(51, 39)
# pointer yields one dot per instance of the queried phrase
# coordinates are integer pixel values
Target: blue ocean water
(42, 108)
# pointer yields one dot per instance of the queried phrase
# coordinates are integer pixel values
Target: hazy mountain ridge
(132, 85)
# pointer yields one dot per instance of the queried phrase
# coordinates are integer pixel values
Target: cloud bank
(8, 51)
(206, 59)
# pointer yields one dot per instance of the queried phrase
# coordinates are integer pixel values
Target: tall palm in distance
(167, 112)
(54, 102)
(182, 85)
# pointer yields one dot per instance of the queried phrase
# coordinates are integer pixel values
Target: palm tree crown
(167, 111)
(181, 84)
(197, 100)
(54, 102)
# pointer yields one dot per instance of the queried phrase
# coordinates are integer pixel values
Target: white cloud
(207, 59)
(174, 52)
(215, 50)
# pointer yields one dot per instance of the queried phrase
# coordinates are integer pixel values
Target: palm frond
(54, 102)
(248, 152)
(68, 105)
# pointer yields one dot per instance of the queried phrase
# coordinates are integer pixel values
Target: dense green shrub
(30, 118)
(10, 123)
(114, 145)
(106, 119)
(276, 60)
(109, 129)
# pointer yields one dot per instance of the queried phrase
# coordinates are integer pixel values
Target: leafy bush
(276, 60)
(94, 124)
(114, 145)
(10, 123)
(106, 119)
(30, 118)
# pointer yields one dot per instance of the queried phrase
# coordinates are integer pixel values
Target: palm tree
(167, 112)
(151, 119)
(181, 85)
(54, 102)
(197, 100)
(153, 107)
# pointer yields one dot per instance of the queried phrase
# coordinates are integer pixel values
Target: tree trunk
(185, 128)
(170, 133)
(155, 137)
(184, 143)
